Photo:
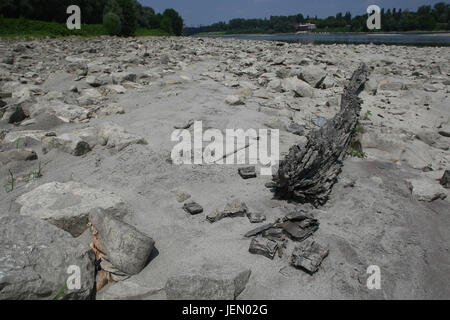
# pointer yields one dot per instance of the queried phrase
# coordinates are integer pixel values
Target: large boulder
(208, 282)
(67, 205)
(126, 247)
(35, 260)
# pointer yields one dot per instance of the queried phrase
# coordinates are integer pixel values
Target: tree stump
(308, 175)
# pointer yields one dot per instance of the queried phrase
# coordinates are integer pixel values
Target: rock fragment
(115, 137)
(247, 172)
(208, 282)
(234, 100)
(256, 217)
(192, 208)
(258, 230)
(309, 255)
(67, 142)
(17, 155)
(445, 180)
(300, 230)
(232, 210)
(263, 246)
(425, 190)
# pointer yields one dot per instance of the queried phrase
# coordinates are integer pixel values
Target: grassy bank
(24, 28)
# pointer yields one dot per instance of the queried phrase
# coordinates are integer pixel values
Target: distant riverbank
(394, 38)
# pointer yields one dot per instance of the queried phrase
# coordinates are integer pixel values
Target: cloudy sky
(205, 12)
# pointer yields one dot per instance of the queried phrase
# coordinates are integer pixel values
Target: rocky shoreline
(88, 179)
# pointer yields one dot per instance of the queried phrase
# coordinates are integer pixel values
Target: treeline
(426, 18)
(121, 17)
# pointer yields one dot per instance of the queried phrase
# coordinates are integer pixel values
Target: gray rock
(445, 180)
(192, 208)
(8, 60)
(64, 111)
(95, 81)
(127, 248)
(425, 190)
(67, 205)
(313, 75)
(234, 209)
(295, 128)
(14, 114)
(300, 230)
(309, 255)
(17, 155)
(297, 86)
(114, 136)
(121, 77)
(392, 86)
(67, 142)
(247, 172)
(234, 100)
(258, 230)
(320, 121)
(209, 282)
(35, 257)
(264, 247)
(256, 217)
(21, 136)
(111, 109)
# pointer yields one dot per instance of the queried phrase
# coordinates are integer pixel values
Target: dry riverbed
(85, 152)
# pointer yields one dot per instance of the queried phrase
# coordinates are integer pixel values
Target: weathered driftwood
(308, 174)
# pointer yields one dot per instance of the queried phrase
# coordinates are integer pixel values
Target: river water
(416, 39)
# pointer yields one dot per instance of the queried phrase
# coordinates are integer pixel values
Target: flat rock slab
(67, 205)
(231, 210)
(247, 172)
(21, 136)
(208, 282)
(67, 142)
(258, 230)
(114, 136)
(192, 208)
(17, 155)
(66, 112)
(127, 248)
(425, 190)
(300, 230)
(35, 257)
(264, 247)
(309, 255)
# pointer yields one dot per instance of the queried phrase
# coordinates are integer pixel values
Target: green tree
(175, 20)
(129, 23)
(166, 24)
(112, 23)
